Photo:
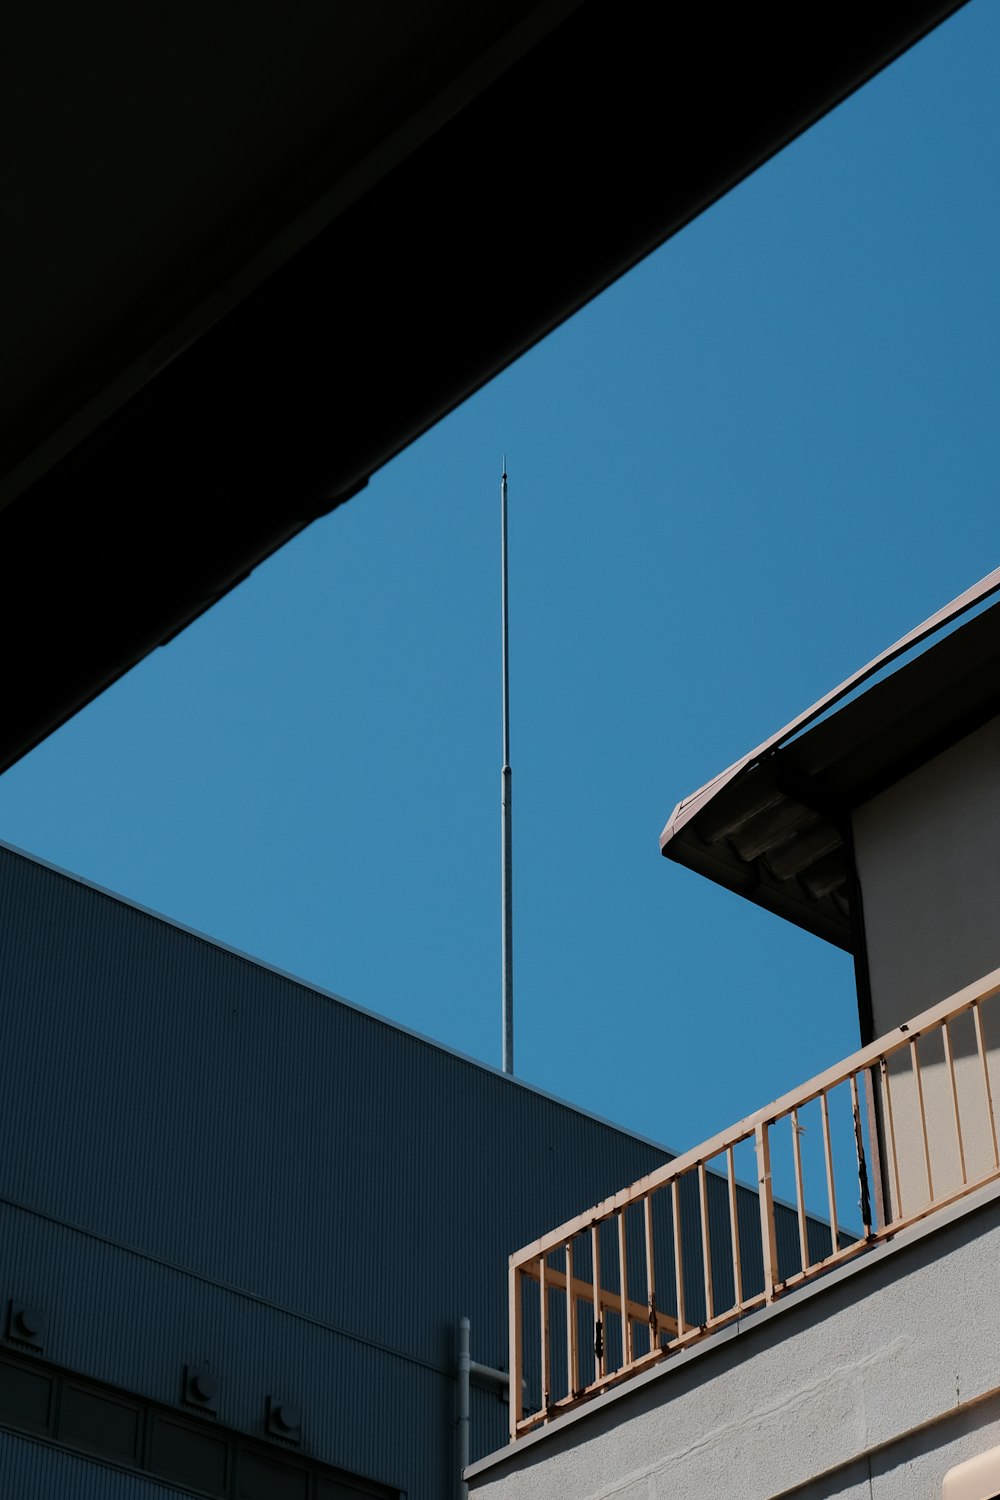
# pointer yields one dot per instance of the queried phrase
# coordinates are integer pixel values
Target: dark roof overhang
(776, 826)
(248, 263)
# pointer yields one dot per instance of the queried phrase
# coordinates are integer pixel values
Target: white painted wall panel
(928, 855)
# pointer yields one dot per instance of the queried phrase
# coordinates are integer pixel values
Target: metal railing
(908, 1121)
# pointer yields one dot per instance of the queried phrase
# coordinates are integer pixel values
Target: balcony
(901, 1130)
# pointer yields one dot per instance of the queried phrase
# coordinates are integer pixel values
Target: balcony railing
(908, 1122)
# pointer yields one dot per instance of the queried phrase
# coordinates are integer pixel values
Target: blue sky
(752, 463)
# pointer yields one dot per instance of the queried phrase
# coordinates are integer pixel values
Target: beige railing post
(572, 1353)
(918, 1080)
(864, 1185)
(831, 1192)
(734, 1227)
(950, 1060)
(768, 1240)
(706, 1248)
(599, 1337)
(981, 1049)
(647, 1214)
(514, 1352)
(897, 1204)
(675, 1205)
(800, 1197)
(543, 1331)
(878, 1166)
(623, 1283)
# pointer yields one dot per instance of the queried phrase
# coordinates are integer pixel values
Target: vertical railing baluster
(897, 1207)
(799, 1192)
(572, 1352)
(734, 1228)
(543, 1324)
(876, 1146)
(623, 1288)
(915, 1062)
(515, 1358)
(654, 1331)
(768, 1239)
(864, 1192)
(599, 1340)
(981, 1046)
(706, 1249)
(675, 1205)
(950, 1060)
(830, 1190)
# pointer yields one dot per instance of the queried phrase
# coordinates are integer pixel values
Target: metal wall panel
(208, 1160)
(30, 1469)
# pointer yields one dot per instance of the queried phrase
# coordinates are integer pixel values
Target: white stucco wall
(928, 857)
(873, 1387)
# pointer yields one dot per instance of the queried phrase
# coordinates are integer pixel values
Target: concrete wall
(928, 854)
(872, 1385)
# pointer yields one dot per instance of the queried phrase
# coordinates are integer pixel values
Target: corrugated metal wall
(32, 1471)
(207, 1161)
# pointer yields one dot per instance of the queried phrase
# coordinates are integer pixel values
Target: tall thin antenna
(505, 807)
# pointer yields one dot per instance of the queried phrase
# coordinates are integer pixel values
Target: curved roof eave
(776, 827)
(689, 806)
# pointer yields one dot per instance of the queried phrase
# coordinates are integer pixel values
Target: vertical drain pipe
(468, 1367)
(464, 1369)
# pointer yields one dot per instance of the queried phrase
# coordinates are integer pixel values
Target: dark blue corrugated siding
(204, 1111)
(32, 1471)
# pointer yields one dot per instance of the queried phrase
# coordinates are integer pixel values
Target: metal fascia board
(689, 806)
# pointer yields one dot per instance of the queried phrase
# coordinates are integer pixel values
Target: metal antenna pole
(505, 805)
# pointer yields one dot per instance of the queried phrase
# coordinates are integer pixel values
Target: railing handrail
(654, 1290)
(884, 1046)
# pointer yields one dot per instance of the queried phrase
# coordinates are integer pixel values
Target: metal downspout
(485, 1375)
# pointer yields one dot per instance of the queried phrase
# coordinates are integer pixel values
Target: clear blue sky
(755, 461)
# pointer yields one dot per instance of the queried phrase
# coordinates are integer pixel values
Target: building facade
(241, 1219)
(867, 1365)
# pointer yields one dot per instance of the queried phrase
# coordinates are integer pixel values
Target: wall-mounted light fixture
(201, 1389)
(284, 1420)
(26, 1323)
